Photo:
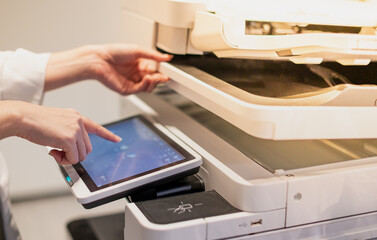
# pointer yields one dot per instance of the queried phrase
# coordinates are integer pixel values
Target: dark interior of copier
(279, 79)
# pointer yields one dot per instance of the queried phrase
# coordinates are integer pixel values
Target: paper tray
(338, 112)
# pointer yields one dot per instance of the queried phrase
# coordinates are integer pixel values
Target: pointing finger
(97, 129)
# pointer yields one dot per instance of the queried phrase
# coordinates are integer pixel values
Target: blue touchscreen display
(140, 151)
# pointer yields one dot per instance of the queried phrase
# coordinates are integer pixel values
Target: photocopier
(279, 98)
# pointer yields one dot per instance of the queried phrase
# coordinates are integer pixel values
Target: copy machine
(279, 98)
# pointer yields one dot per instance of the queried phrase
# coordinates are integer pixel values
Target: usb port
(256, 223)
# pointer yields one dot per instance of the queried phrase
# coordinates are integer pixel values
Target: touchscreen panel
(144, 149)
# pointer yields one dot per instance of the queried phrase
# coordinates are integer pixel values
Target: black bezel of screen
(93, 187)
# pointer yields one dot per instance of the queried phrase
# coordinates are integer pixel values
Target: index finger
(92, 127)
(151, 54)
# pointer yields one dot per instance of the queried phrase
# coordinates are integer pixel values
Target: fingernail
(119, 139)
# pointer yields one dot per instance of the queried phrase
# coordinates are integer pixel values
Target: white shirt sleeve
(9, 225)
(22, 75)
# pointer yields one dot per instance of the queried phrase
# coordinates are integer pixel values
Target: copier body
(297, 166)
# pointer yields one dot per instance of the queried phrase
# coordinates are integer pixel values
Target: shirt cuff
(22, 76)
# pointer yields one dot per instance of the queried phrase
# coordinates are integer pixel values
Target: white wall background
(54, 25)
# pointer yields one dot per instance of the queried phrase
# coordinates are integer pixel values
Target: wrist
(11, 118)
(92, 56)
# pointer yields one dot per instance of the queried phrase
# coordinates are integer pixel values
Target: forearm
(71, 66)
(123, 68)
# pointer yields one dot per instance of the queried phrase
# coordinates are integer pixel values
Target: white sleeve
(22, 75)
(9, 225)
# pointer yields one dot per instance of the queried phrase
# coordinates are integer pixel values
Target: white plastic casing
(332, 193)
(197, 26)
(341, 112)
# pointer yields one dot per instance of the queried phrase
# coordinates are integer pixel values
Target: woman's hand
(64, 129)
(129, 69)
(123, 68)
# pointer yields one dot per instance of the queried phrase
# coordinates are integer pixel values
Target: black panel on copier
(185, 207)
